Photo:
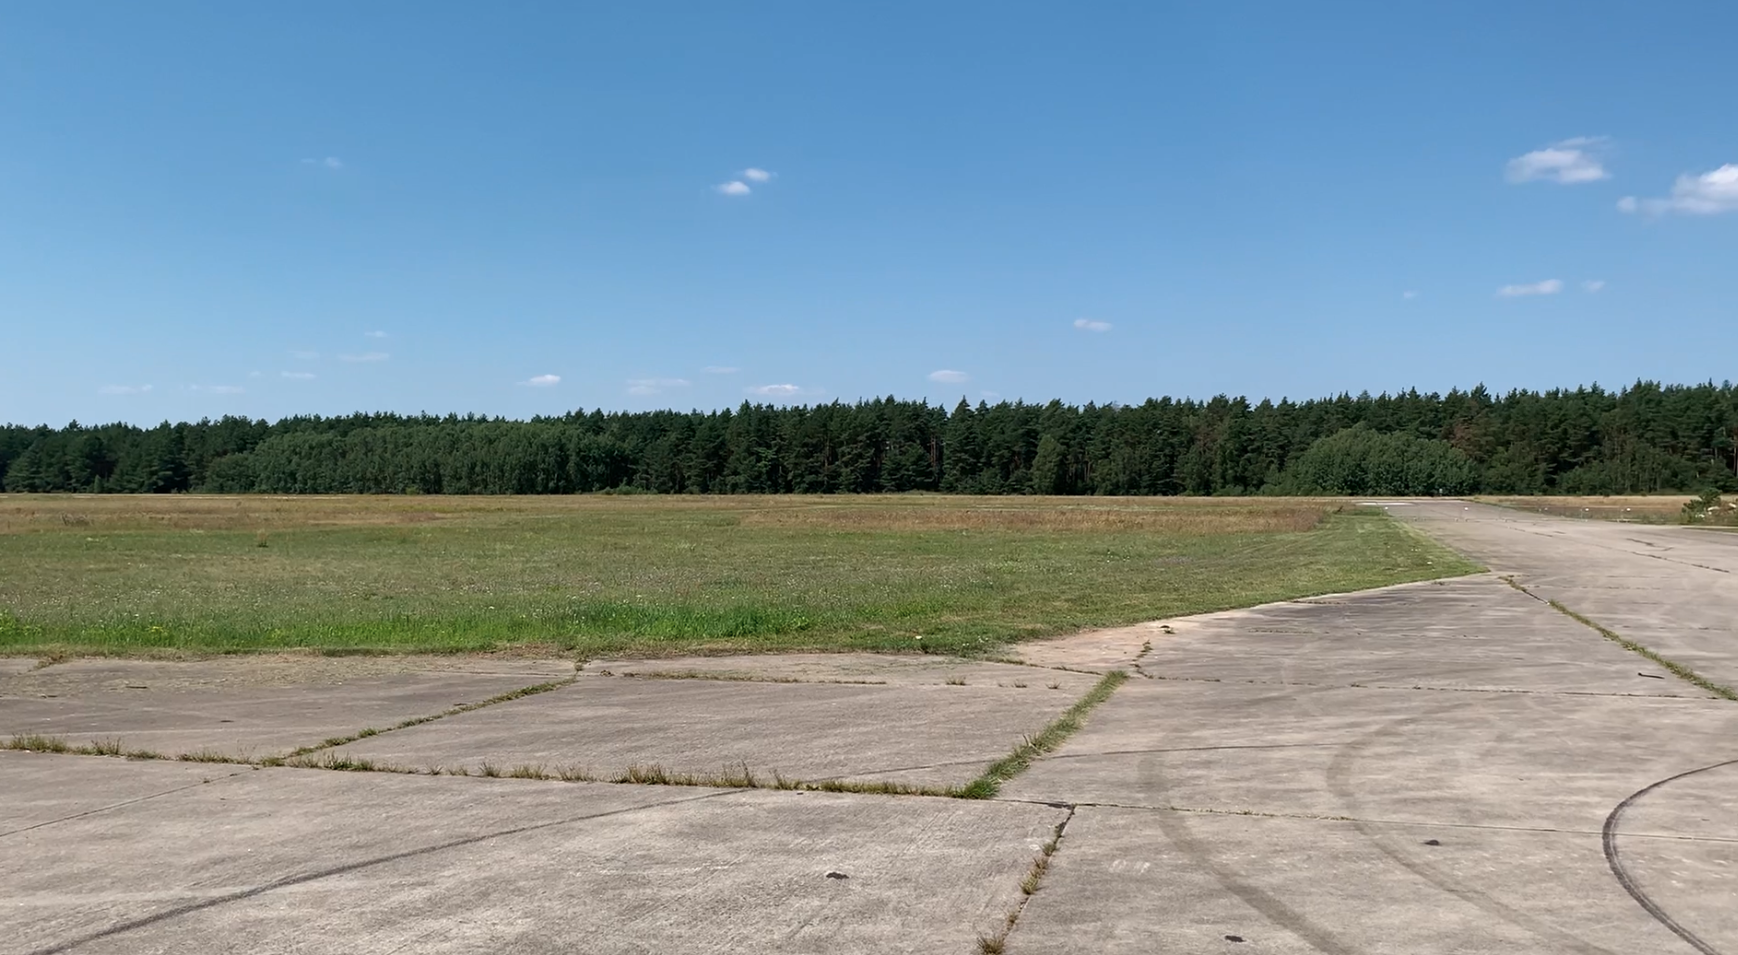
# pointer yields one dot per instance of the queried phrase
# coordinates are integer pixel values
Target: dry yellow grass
(1641, 508)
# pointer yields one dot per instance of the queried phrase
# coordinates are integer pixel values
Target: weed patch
(1046, 740)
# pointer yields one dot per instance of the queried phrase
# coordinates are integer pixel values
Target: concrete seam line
(1672, 666)
(1047, 739)
(335, 741)
(995, 943)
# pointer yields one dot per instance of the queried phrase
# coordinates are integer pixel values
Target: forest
(1647, 437)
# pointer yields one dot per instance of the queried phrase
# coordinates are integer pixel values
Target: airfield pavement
(1451, 766)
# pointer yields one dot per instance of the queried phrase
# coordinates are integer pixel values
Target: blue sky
(516, 209)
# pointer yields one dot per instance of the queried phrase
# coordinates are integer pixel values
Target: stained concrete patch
(916, 735)
(223, 707)
(1140, 881)
(866, 668)
(309, 861)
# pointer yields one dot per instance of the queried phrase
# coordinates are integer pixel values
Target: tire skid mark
(1338, 781)
(1608, 838)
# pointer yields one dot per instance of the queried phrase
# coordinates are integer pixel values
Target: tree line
(1644, 438)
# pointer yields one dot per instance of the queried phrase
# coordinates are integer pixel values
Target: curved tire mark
(1613, 859)
(1338, 777)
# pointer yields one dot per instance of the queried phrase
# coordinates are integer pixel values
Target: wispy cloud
(654, 386)
(1593, 285)
(1569, 162)
(1092, 325)
(1409, 295)
(297, 375)
(734, 187)
(330, 162)
(989, 394)
(1547, 287)
(1708, 194)
(542, 381)
(217, 389)
(374, 334)
(721, 369)
(757, 175)
(782, 391)
(305, 355)
(949, 376)
(365, 356)
(123, 389)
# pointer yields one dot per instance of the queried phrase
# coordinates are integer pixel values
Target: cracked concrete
(1426, 768)
(1432, 768)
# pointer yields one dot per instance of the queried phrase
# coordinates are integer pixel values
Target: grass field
(596, 575)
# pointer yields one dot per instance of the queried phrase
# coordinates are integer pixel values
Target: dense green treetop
(1647, 437)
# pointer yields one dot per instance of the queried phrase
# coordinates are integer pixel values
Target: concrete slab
(1671, 589)
(13, 666)
(313, 862)
(863, 668)
(36, 790)
(1140, 881)
(1471, 633)
(1316, 747)
(246, 707)
(1478, 759)
(917, 735)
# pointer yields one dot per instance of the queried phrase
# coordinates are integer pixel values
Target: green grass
(597, 575)
(1047, 740)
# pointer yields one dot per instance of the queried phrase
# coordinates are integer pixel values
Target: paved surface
(937, 735)
(1442, 767)
(251, 708)
(1428, 768)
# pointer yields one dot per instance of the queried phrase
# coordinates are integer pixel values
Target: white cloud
(1708, 194)
(721, 369)
(374, 334)
(1569, 162)
(330, 162)
(734, 187)
(756, 175)
(542, 381)
(1547, 287)
(1091, 325)
(365, 356)
(782, 391)
(949, 376)
(1593, 285)
(1408, 295)
(305, 355)
(989, 394)
(123, 389)
(654, 386)
(217, 389)
(298, 375)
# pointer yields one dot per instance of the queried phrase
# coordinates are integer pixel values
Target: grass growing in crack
(1047, 739)
(337, 741)
(1029, 886)
(1677, 669)
(37, 743)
